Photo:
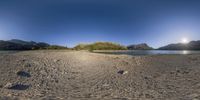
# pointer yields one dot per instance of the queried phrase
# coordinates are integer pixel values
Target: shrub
(55, 47)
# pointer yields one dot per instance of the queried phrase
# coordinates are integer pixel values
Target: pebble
(16, 86)
(23, 74)
(27, 65)
(122, 72)
(106, 85)
(56, 60)
(8, 85)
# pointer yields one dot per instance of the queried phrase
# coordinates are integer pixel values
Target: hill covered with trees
(100, 46)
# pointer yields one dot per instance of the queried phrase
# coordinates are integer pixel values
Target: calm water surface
(152, 52)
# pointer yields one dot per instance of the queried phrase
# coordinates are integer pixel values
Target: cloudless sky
(69, 22)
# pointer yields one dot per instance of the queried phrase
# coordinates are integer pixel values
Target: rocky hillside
(193, 45)
(142, 46)
(15, 44)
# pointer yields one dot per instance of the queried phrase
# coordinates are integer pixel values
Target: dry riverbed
(79, 75)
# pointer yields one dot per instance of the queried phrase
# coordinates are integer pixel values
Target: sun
(184, 40)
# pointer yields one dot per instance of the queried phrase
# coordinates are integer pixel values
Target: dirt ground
(79, 75)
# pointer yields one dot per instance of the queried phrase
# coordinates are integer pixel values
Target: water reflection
(151, 52)
(185, 52)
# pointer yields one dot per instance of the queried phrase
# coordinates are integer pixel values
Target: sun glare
(184, 40)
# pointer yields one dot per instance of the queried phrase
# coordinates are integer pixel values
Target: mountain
(142, 46)
(6, 45)
(193, 45)
(16, 44)
(22, 42)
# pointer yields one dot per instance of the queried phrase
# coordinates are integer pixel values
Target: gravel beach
(80, 75)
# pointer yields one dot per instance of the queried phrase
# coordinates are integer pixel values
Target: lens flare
(184, 40)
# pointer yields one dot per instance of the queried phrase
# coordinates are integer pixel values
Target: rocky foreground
(78, 75)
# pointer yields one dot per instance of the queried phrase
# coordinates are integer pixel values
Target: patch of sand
(76, 75)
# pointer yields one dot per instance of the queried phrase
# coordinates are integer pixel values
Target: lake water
(138, 52)
(151, 52)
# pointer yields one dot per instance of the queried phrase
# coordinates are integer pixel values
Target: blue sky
(69, 22)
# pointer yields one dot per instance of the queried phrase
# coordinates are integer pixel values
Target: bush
(55, 47)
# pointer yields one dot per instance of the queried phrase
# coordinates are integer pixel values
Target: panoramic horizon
(70, 22)
(184, 41)
(99, 49)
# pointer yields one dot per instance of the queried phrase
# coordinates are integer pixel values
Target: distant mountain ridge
(142, 46)
(16, 44)
(193, 45)
(22, 42)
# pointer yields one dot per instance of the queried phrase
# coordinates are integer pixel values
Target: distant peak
(141, 46)
(192, 45)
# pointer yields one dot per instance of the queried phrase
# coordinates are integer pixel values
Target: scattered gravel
(79, 75)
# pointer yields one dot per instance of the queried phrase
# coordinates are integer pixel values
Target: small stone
(23, 74)
(193, 96)
(178, 71)
(16, 86)
(106, 85)
(9, 95)
(126, 72)
(56, 60)
(122, 72)
(56, 81)
(27, 65)
(8, 85)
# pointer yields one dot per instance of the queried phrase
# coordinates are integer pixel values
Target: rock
(23, 74)
(27, 65)
(122, 72)
(106, 85)
(146, 78)
(8, 85)
(16, 86)
(56, 60)
(19, 87)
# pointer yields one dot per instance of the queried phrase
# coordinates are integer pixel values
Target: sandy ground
(78, 75)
